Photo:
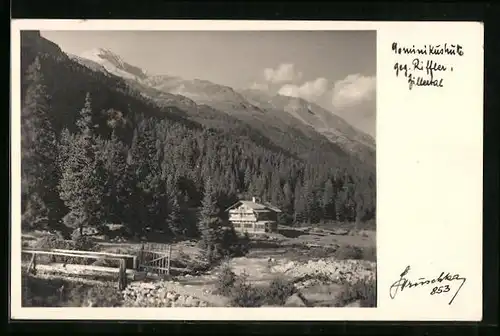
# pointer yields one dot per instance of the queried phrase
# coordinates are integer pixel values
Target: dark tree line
(150, 172)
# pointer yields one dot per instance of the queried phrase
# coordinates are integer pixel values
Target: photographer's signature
(442, 284)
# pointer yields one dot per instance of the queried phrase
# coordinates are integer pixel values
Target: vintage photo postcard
(246, 170)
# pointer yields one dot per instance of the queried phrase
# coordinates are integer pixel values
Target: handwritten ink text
(429, 49)
(423, 71)
(443, 287)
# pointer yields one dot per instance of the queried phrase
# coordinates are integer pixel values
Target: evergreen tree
(286, 217)
(300, 205)
(276, 191)
(152, 203)
(83, 177)
(340, 200)
(174, 219)
(42, 206)
(64, 148)
(118, 179)
(190, 223)
(210, 223)
(328, 201)
(314, 206)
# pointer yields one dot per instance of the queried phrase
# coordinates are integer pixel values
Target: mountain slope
(193, 142)
(283, 129)
(323, 121)
(311, 114)
(114, 63)
(225, 109)
(250, 105)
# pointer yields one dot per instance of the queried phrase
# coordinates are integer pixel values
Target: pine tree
(310, 211)
(83, 177)
(174, 219)
(300, 205)
(328, 204)
(287, 207)
(340, 199)
(151, 201)
(276, 191)
(190, 223)
(210, 223)
(117, 187)
(40, 173)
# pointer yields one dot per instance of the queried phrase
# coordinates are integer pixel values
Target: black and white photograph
(198, 168)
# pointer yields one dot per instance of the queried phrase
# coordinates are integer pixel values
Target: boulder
(295, 301)
(148, 286)
(355, 304)
(171, 296)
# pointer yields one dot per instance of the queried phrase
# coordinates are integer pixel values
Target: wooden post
(31, 263)
(168, 259)
(135, 265)
(122, 275)
(165, 262)
(141, 256)
(162, 263)
(34, 264)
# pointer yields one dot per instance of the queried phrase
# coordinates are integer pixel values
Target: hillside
(288, 122)
(323, 121)
(165, 147)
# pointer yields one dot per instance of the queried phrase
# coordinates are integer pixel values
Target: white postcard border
(429, 176)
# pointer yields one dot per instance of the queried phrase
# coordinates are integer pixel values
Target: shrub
(244, 244)
(57, 292)
(363, 290)
(233, 245)
(319, 277)
(370, 254)
(226, 244)
(183, 255)
(349, 252)
(242, 294)
(52, 242)
(279, 291)
(225, 281)
(39, 292)
(245, 295)
(106, 295)
(84, 243)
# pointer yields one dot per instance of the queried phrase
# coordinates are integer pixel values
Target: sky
(336, 69)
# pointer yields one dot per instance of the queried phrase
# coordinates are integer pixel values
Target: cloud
(311, 90)
(260, 86)
(284, 73)
(352, 90)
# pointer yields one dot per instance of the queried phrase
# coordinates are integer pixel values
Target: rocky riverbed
(340, 271)
(159, 294)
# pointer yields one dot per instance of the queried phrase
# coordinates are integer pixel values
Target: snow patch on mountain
(114, 64)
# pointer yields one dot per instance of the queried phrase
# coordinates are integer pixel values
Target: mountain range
(293, 124)
(254, 107)
(240, 143)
